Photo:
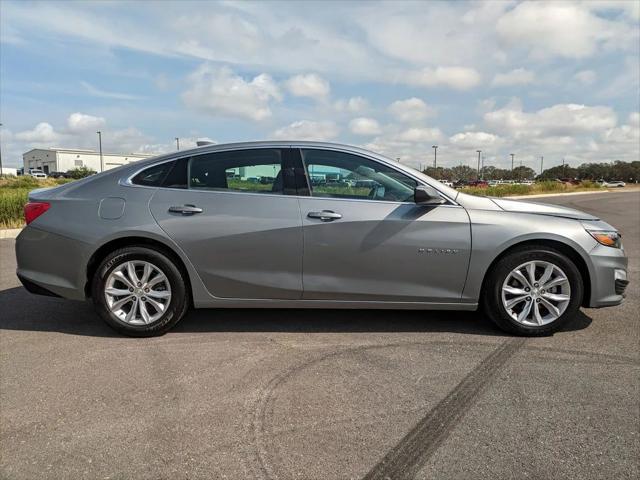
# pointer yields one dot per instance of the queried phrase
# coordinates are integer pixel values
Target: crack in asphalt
(406, 459)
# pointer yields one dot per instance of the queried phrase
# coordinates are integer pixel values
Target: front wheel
(139, 292)
(533, 291)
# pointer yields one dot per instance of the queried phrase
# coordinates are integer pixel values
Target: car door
(366, 240)
(236, 217)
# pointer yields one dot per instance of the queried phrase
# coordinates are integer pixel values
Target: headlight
(608, 239)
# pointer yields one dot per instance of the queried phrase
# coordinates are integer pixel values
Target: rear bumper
(51, 264)
(608, 277)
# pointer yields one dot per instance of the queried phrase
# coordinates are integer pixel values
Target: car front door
(366, 240)
(237, 218)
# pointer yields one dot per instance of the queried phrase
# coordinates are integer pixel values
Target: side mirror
(427, 195)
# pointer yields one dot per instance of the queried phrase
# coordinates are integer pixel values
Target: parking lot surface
(321, 394)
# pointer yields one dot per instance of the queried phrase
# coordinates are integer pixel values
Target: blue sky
(558, 79)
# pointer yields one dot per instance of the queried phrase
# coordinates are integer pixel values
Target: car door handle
(325, 215)
(185, 209)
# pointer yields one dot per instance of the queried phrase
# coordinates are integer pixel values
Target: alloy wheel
(137, 292)
(536, 293)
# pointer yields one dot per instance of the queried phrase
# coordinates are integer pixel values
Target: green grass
(536, 188)
(12, 201)
(14, 192)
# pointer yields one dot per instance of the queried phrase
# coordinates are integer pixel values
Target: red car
(478, 183)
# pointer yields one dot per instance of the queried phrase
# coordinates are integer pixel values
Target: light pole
(177, 143)
(435, 156)
(512, 155)
(479, 152)
(541, 163)
(100, 147)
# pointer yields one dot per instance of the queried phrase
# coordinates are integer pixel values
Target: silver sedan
(309, 225)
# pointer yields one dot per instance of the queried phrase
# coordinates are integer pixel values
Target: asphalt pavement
(321, 394)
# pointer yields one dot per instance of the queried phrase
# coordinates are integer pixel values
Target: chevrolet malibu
(309, 225)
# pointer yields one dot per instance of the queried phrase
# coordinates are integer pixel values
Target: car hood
(541, 209)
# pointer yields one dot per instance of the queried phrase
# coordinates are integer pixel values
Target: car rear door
(366, 240)
(238, 221)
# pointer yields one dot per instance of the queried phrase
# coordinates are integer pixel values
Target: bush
(81, 172)
(537, 188)
(12, 201)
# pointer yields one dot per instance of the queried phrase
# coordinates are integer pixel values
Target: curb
(9, 233)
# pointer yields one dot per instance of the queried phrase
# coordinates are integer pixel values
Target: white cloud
(460, 78)
(96, 92)
(80, 122)
(352, 105)
(634, 119)
(564, 29)
(585, 77)
(420, 135)
(219, 91)
(309, 85)
(561, 119)
(410, 110)
(43, 133)
(475, 139)
(519, 76)
(307, 130)
(364, 126)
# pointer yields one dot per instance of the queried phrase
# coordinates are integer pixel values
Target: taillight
(33, 210)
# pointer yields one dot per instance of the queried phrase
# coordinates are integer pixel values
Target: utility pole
(541, 163)
(564, 170)
(398, 159)
(100, 147)
(479, 152)
(435, 156)
(512, 155)
(177, 143)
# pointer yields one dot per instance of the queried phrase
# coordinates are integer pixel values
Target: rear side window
(177, 176)
(152, 176)
(253, 170)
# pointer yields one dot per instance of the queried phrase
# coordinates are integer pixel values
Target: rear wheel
(139, 292)
(533, 291)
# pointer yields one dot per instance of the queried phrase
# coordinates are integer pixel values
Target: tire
(165, 301)
(502, 281)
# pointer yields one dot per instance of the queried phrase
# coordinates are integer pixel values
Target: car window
(343, 175)
(177, 176)
(152, 176)
(253, 170)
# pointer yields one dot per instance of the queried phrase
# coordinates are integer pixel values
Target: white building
(9, 171)
(65, 159)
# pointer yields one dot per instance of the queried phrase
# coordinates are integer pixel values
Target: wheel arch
(562, 247)
(139, 241)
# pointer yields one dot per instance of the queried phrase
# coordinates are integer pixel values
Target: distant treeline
(625, 171)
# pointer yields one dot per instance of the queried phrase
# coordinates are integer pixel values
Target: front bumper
(608, 276)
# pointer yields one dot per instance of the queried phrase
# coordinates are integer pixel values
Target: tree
(559, 171)
(524, 173)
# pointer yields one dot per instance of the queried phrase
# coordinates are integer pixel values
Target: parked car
(446, 182)
(478, 183)
(36, 173)
(614, 184)
(569, 181)
(148, 240)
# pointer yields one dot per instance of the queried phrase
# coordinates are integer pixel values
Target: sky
(553, 79)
